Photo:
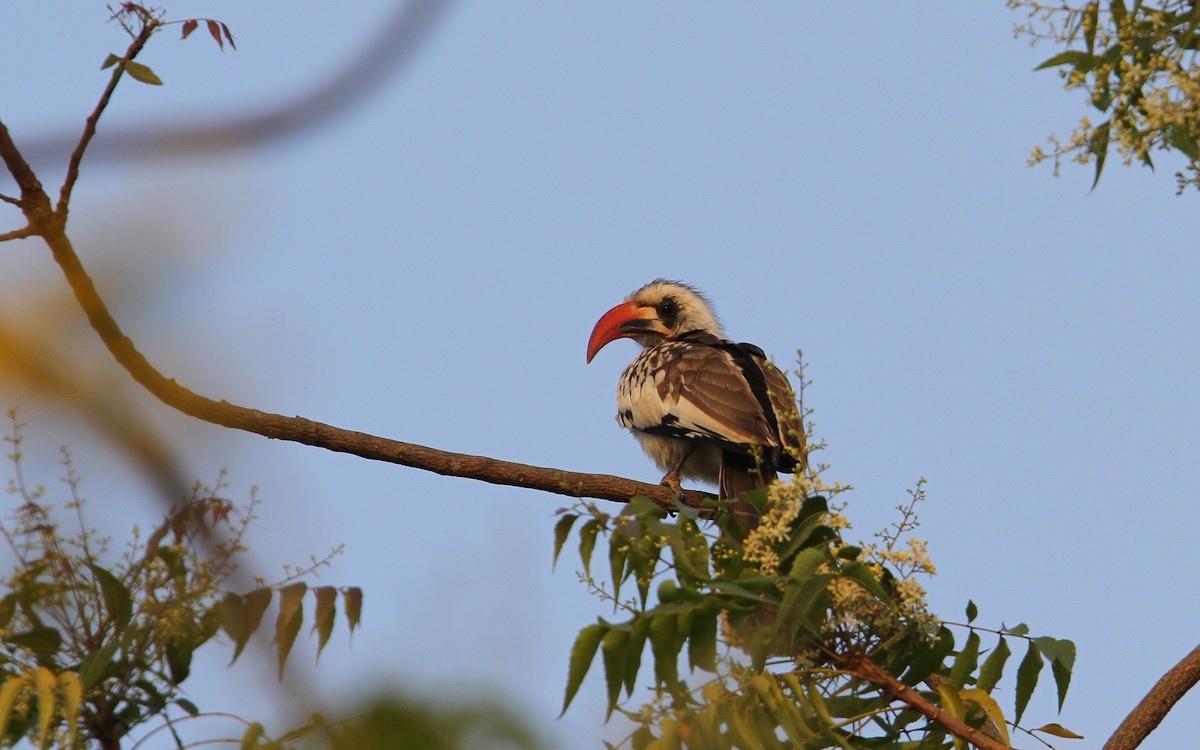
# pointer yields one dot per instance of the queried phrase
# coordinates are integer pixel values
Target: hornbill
(702, 406)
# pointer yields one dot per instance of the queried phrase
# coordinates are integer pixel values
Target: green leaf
(139, 72)
(1090, 21)
(117, 600)
(806, 563)
(1061, 655)
(173, 560)
(993, 667)
(702, 639)
(72, 693)
(1027, 677)
(94, 665)
(1181, 138)
(929, 658)
(241, 615)
(802, 596)
(642, 507)
(288, 621)
(618, 554)
(562, 530)
(1098, 147)
(324, 615)
(638, 632)
(187, 706)
(1069, 57)
(1058, 730)
(972, 611)
(642, 738)
(582, 654)
(352, 598)
(953, 705)
(44, 681)
(613, 648)
(43, 641)
(587, 543)
(692, 556)
(179, 660)
(665, 644)
(110, 61)
(966, 661)
(9, 692)
(643, 560)
(1116, 9)
(861, 574)
(991, 708)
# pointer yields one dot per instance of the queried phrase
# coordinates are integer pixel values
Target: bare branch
(1151, 710)
(49, 225)
(31, 188)
(149, 25)
(17, 234)
(301, 430)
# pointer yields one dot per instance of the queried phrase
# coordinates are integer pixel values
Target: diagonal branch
(308, 432)
(51, 226)
(1151, 710)
(298, 429)
(861, 666)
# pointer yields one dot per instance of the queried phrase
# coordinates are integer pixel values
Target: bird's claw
(671, 480)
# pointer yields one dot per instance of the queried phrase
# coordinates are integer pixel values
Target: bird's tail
(740, 473)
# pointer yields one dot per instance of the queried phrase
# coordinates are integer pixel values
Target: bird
(702, 406)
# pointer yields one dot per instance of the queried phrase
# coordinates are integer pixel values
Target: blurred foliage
(791, 636)
(1137, 64)
(94, 651)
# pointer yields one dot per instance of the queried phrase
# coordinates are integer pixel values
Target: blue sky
(843, 178)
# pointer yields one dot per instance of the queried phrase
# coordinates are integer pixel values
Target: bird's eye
(668, 311)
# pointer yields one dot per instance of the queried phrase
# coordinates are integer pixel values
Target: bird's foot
(671, 480)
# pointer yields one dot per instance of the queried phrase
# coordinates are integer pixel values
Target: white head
(660, 311)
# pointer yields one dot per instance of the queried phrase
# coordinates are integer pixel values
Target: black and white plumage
(702, 406)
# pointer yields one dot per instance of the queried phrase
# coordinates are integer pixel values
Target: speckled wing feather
(700, 387)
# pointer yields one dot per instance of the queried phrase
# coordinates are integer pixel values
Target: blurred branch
(1151, 710)
(109, 414)
(399, 37)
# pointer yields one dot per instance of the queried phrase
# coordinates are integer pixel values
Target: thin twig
(17, 234)
(1150, 711)
(149, 25)
(33, 197)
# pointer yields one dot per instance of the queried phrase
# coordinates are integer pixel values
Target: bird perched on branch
(702, 406)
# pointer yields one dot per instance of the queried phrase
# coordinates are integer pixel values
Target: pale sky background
(846, 178)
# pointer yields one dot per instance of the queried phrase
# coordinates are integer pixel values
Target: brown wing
(789, 421)
(697, 391)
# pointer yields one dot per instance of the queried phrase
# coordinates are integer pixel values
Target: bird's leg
(672, 477)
